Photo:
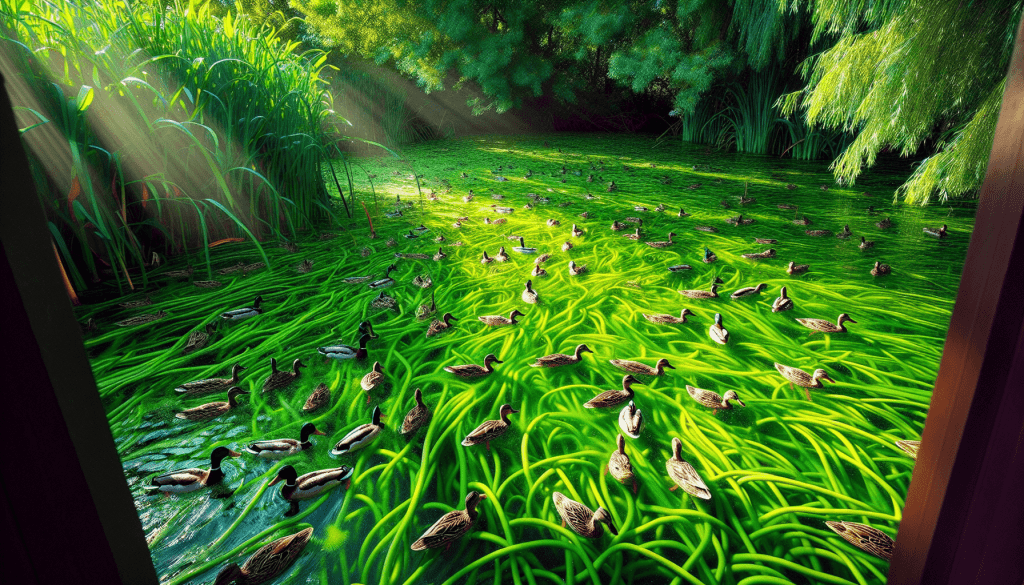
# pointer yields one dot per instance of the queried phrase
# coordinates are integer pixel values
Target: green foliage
(912, 71)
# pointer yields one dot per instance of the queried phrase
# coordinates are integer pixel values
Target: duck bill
(275, 480)
(320, 433)
(233, 453)
(513, 411)
(740, 402)
(612, 529)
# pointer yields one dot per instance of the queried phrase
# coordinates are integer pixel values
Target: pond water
(776, 469)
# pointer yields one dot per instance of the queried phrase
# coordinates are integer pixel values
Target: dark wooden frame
(963, 521)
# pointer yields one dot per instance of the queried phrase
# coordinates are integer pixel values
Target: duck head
(492, 359)
(233, 394)
(307, 430)
(820, 374)
(602, 515)
(377, 417)
(843, 318)
(366, 328)
(219, 454)
(760, 287)
(506, 409)
(731, 395)
(286, 473)
(448, 317)
(472, 499)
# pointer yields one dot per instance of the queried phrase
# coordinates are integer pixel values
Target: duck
(827, 326)
(938, 233)
(522, 249)
(320, 397)
(803, 379)
(712, 400)
(451, 526)
(817, 233)
(783, 303)
(633, 236)
(386, 281)
(631, 420)
(345, 352)
(423, 281)
(682, 213)
(679, 267)
(553, 223)
(865, 244)
(610, 398)
(769, 253)
(575, 270)
(642, 369)
(485, 259)
(372, 380)
(304, 267)
(499, 321)
(909, 447)
(498, 221)
(542, 258)
(437, 326)
(881, 269)
(137, 304)
(660, 208)
(709, 256)
(662, 244)
(244, 313)
(281, 448)
(309, 485)
(748, 291)
(209, 385)
(473, 370)
(684, 475)
(417, 417)
(706, 228)
(360, 436)
(845, 233)
(212, 410)
(560, 359)
(864, 537)
(740, 220)
(794, 268)
(277, 380)
(424, 311)
(356, 279)
(802, 221)
(616, 226)
(198, 339)
(581, 519)
(639, 208)
(440, 255)
(668, 319)
(189, 480)
(538, 271)
(701, 294)
(268, 562)
(567, 246)
(530, 295)
(383, 301)
(884, 224)
(185, 273)
(619, 465)
(490, 430)
(765, 241)
(717, 332)
(576, 232)
(502, 255)
(612, 187)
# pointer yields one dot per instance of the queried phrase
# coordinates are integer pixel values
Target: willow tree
(908, 75)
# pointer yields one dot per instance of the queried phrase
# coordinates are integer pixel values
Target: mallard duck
(500, 321)
(683, 213)
(642, 369)
(709, 256)
(451, 526)
(198, 339)
(712, 399)
(817, 233)
(141, 319)
(765, 240)
(749, 291)
(502, 255)
(473, 370)
(575, 270)
(864, 244)
(386, 281)
(530, 295)
(304, 267)
(909, 447)
(136, 304)
(423, 281)
(356, 279)
(631, 420)
(345, 352)
(581, 519)
(212, 410)
(684, 475)
(662, 244)
(424, 311)
(437, 326)
(542, 258)
(701, 294)
(440, 255)
(277, 380)
(790, 186)
(499, 209)
(938, 233)
(769, 253)
(189, 480)
(560, 359)
(417, 417)
(268, 562)
(717, 332)
(783, 303)
(485, 259)
(612, 187)
(802, 221)
(522, 249)
(845, 233)
(244, 313)
(211, 384)
(827, 326)
(881, 269)
(490, 430)
(864, 537)
(360, 436)
(740, 220)
(802, 378)
(567, 246)
(383, 301)
(320, 397)
(576, 232)
(187, 272)
(553, 223)
(660, 208)
(619, 465)
(794, 268)
(610, 398)
(633, 236)
(616, 226)
(440, 238)
(668, 319)
(679, 267)
(884, 224)
(538, 271)
(309, 485)
(372, 380)
(280, 448)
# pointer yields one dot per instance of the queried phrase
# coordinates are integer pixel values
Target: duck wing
(607, 399)
(447, 529)
(687, 478)
(485, 432)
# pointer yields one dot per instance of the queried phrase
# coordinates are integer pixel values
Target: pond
(776, 467)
